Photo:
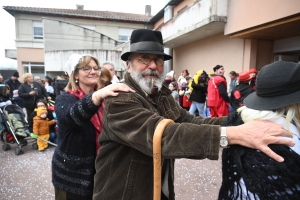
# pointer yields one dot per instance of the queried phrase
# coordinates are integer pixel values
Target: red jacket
(214, 99)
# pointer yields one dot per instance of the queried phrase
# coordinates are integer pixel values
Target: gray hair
(108, 63)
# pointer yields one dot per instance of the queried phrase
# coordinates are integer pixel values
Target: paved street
(28, 176)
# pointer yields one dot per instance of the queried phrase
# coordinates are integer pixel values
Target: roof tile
(81, 13)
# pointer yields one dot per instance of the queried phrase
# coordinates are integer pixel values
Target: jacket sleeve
(35, 127)
(223, 92)
(51, 122)
(197, 86)
(22, 93)
(44, 92)
(70, 110)
(128, 122)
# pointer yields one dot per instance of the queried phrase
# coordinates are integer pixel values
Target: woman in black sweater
(79, 116)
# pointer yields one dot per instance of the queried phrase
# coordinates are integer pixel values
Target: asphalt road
(28, 176)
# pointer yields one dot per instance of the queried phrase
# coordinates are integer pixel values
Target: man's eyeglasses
(146, 59)
(88, 69)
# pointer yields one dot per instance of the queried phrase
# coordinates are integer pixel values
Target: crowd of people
(210, 95)
(105, 136)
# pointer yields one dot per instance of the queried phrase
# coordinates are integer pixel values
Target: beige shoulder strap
(157, 137)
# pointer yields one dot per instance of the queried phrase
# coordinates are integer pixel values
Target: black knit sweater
(264, 177)
(74, 157)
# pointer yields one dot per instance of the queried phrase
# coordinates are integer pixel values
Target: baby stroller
(14, 129)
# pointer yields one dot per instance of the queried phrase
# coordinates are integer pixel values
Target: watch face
(223, 142)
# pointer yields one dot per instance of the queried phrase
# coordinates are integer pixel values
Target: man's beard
(146, 83)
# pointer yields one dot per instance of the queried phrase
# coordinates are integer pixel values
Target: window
(36, 69)
(124, 34)
(124, 38)
(38, 30)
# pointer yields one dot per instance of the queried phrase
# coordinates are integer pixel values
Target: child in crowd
(41, 127)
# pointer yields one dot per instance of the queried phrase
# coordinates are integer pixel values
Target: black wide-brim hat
(277, 86)
(146, 41)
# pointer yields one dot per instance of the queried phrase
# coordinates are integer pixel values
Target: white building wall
(194, 17)
(60, 35)
(55, 60)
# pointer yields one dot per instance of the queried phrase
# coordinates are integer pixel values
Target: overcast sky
(7, 33)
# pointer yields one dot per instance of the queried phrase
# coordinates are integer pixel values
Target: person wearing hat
(41, 128)
(124, 164)
(14, 84)
(253, 74)
(250, 174)
(79, 118)
(241, 90)
(217, 96)
(198, 89)
(170, 77)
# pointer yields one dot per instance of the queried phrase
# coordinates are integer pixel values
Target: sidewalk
(28, 176)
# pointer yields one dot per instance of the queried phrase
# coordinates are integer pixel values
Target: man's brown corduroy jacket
(124, 165)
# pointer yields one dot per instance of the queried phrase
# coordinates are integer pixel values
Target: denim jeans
(53, 138)
(197, 106)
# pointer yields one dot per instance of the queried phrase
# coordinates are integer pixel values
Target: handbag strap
(157, 137)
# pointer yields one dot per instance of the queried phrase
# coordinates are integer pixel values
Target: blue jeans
(197, 106)
(53, 138)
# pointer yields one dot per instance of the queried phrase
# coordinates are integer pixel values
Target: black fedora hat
(277, 86)
(146, 41)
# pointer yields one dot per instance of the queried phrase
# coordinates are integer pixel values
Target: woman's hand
(110, 90)
(258, 135)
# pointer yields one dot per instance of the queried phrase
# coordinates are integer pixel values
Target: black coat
(199, 92)
(244, 89)
(13, 85)
(28, 100)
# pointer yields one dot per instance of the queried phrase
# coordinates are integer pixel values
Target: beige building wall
(249, 13)
(184, 4)
(207, 53)
(29, 55)
(264, 53)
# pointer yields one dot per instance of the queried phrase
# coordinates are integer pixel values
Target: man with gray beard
(124, 165)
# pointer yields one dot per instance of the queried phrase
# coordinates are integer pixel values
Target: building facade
(236, 34)
(198, 33)
(46, 37)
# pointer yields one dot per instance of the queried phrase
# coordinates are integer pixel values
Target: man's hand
(258, 135)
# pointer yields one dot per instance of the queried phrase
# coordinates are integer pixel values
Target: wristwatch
(223, 138)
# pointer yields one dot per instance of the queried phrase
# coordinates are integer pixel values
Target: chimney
(148, 10)
(79, 7)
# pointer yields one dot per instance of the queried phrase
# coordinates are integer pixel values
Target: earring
(76, 81)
